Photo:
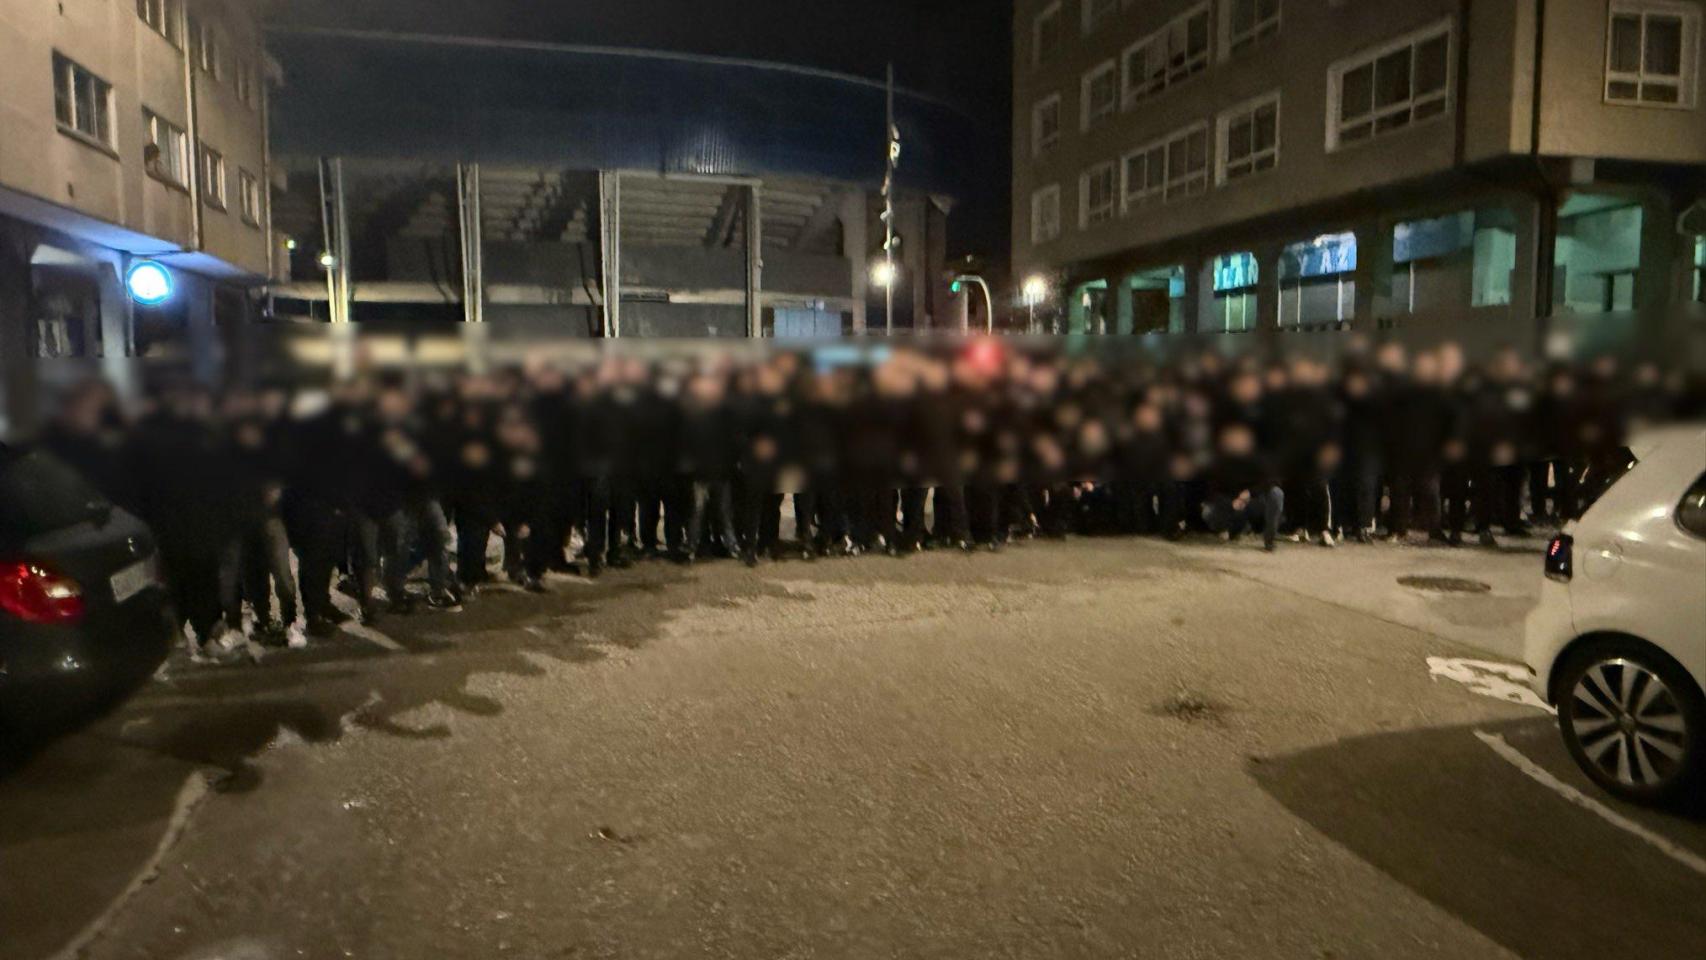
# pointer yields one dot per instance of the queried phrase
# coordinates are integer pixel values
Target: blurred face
(1237, 441)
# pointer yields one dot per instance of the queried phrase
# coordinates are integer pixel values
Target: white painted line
(1687, 858)
(1489, 678)
(374, 637)
(189, 795)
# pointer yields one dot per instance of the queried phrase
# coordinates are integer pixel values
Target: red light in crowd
(35, 594)
(984, 355)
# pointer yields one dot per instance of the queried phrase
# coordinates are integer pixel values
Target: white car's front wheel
(1634, 722)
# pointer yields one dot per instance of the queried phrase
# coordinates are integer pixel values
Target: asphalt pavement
(1082, 749)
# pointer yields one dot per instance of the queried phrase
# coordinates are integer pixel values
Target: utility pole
(889, 239)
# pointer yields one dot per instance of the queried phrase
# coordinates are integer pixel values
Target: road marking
(189, 796)
(1687, 858)
(1489, 678)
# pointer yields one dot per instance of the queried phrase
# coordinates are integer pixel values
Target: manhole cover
(1446, 584)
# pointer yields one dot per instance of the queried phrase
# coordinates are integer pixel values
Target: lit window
(82, 102)
(1248, 138)
(1096, 193)
(249, 195)
(1246, 22)
(169, 160)
(1045, 214)
(1390, 88)
(212, 177)
(1045, 34)
(1098, 11)
(161, 16)
(1236, 279)
(1100, 94)
(1652, 54)
(1168, 169)
(1045, 124)
(1175, 52)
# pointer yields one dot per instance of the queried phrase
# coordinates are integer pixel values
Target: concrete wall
(145, 70)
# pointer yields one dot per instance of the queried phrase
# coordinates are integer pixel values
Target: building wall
(144, 69)
(1495, 112)
(1575, 118)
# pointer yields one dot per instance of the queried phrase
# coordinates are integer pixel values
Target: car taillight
(35, 594)
(1559, 557)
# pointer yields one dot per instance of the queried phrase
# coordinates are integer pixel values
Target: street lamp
(988, 303)
(1034, 291)
(884, 274)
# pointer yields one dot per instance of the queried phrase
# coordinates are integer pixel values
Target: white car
(1618, 642)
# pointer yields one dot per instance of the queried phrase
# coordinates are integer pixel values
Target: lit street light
(1034, 291)
(884, 274)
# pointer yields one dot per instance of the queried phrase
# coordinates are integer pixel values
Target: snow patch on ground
(1489, 678)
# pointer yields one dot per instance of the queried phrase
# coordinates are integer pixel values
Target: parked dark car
(84, 618)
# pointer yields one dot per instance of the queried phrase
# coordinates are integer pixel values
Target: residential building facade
(133, 130)
(1487, 172)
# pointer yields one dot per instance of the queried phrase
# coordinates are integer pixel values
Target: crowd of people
(962, 447)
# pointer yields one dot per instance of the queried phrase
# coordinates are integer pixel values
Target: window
(1652, 54)
(1390, 88)
(1045, 34)
(1097, 11)
(1248, 138)
(82, 102)
(1246, 22)
(204, 45)
(170, 161)
(1096, 195)
(1045, 124)
(1168, 169)
(249, 195)
(212, 177)
(1700, 269)
(1236, 279)
(160, 15)
(244, 77)
(1100, 95)
(1169, 55)
(1045, 214)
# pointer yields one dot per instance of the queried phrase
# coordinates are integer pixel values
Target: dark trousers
(194, 578)
(952, 524)
(317, 534)
(473, 533)
(1415, 500)
(257, 565)
(1263, 511)
(1359, 507)
(1312, 500)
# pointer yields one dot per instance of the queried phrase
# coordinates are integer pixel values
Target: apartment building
(130, 131)
(1493, 172)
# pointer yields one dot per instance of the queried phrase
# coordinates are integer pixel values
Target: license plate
(132, 580)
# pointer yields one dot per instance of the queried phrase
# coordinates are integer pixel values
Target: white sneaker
(1327, 539)
(294, 638)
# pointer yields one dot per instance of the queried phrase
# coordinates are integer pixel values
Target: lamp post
(988, 302)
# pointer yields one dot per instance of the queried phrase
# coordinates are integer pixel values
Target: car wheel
(1634, 722)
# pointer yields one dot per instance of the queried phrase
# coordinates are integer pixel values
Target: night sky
(955, 50)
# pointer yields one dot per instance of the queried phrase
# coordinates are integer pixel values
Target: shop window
(1236, 279)
(1597, 255)
(1317, 281)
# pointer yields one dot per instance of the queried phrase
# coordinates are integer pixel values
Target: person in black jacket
(1242, 490)
(182, 476)
(1421, 423)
